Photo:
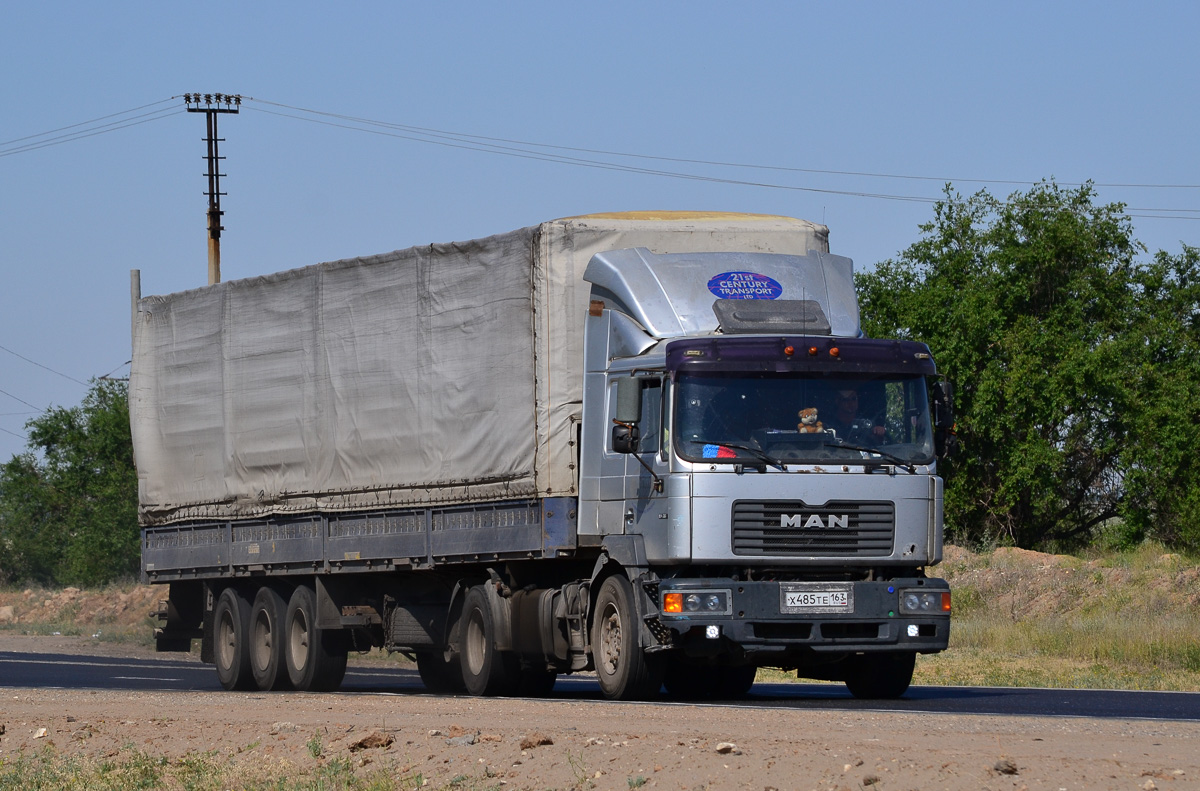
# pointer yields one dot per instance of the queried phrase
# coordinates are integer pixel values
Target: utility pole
(212, 104)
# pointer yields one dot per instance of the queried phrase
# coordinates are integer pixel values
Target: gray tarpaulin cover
(438, 374)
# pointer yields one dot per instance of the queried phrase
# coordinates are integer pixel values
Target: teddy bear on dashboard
(808, 422)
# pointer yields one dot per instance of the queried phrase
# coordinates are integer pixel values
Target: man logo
(815, 521)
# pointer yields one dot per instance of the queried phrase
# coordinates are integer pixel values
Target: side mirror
(943, 404)
(625, 434)
(944, 438)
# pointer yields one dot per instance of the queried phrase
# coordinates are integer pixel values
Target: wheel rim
(263, 640)
(610, 640)
(226, 640)
(476, 644)
(299, 640)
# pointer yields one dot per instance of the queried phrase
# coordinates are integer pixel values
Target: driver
(846, 422)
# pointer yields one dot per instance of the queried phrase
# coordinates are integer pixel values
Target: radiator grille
(794, 528)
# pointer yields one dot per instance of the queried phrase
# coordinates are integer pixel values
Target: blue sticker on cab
(744, 285)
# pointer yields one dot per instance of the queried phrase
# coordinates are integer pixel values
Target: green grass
(48, 770)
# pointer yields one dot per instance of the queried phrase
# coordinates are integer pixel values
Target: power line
(85, 123)
(716, 163)
(15, 434)
(23, 401)
(39, 365)
(600, 165)
(493, 145)
(70, 137)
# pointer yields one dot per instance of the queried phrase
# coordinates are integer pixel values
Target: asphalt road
(69, 671)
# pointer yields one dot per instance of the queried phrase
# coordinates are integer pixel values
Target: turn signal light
(673, 602)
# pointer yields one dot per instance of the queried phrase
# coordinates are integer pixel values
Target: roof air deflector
(790, 316)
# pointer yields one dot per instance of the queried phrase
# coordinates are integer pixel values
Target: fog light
(913, 630)
(712, 632)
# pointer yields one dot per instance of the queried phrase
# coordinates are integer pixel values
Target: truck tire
(485, 669)
(231, 652)
(439, 675)
(624, 670)
(880, 676)
(316, 658)
(267, 643)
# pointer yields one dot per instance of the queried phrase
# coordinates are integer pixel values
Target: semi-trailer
(652, 445)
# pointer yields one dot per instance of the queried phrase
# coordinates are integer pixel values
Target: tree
(1069, 361)
(68, 506)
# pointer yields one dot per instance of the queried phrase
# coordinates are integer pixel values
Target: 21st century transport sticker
(744, 285)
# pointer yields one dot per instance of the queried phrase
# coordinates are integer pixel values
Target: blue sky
(1011, 92)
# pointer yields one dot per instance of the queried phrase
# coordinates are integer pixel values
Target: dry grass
(1118, 621)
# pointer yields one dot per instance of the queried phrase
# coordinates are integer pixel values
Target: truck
(656, 446)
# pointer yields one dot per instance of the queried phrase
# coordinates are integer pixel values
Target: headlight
(925, 602)
(699, 602)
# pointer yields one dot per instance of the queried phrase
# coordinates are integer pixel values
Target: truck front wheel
(624, 670)
(316, 658)
(880, 676)
(231, 634)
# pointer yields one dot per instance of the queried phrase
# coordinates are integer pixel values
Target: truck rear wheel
(316, 658)
(485, 669)
(880, 676)
(624, 670)
(267, 643)
(231, 654)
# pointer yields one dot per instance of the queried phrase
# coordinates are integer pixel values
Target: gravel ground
(520, 744)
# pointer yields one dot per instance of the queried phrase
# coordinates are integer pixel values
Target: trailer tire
(440, 675)
(624, 670)
(231, 653)
(486, 670)
(267, 642)
(880, 676)
(316, 658)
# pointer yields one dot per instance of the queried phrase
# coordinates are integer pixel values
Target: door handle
(629, 515)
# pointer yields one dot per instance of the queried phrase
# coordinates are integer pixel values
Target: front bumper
(825, 618)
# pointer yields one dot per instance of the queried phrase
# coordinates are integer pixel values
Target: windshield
(802, 418)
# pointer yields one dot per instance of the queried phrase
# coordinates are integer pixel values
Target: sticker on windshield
(744, 285)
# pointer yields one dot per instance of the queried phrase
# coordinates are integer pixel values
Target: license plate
(802, 598)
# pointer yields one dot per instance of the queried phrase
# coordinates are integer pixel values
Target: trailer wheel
(485, 669)
(267, 643)
(231, 637)
(880, 676)
(438, 674)
(624, 670)
(316, 658)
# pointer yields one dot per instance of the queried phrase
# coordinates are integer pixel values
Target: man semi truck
(653, 445)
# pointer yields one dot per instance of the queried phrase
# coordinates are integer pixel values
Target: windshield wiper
(758, 453)
(899, 462)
